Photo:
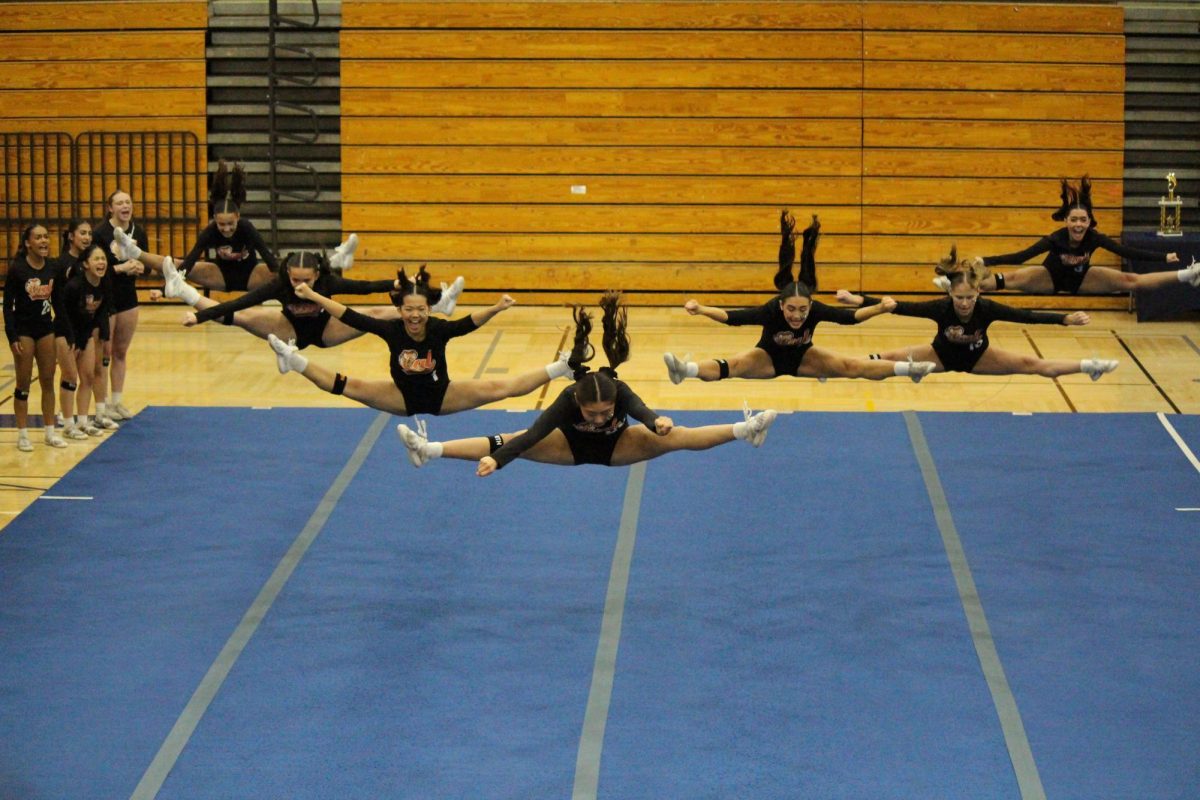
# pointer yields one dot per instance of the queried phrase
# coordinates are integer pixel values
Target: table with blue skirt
(1169, 301)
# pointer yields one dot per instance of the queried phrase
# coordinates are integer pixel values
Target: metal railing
(38, 184)
(51, 178)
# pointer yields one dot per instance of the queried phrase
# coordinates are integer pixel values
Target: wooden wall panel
(128, 66)
(621, 15)
(641, 139)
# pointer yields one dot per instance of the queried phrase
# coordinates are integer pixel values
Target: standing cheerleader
(123, 272)
(1068, 268)
(29, 325)
(589, 421)
(85, 305)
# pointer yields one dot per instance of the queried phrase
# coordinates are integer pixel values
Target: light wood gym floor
(213, 365)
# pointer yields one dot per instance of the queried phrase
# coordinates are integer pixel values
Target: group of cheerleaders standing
(588, 423)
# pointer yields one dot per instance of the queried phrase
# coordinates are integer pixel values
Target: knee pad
(495, 442)
(999, 280)
(227, 319)
(723, 368)
(21, 394)
(339, 384)
(70, 387)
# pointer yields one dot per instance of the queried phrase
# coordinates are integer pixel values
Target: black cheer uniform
(85, 308)
(590, 444)
(786, 345)
(66, 265)
(236, 256)
(958, 344)
(308, 319)
(418, 368)
(124, 287)
(29, 299)
(1068, 263)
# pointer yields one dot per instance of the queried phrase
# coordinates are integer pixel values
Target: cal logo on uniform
(38, 291)
(413, 365)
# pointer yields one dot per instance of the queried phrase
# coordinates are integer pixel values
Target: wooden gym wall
(128, 66)
(560, 148)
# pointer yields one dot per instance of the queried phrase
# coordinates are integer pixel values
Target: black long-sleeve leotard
(307, 318)
(584, 437)
(1069, 262)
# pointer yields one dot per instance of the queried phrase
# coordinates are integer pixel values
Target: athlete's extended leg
(821, 363)
(754, 363)
(380, 395)
(462, 395)
(1002, 362)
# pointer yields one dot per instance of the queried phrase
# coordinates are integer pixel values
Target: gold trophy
(1170, 211)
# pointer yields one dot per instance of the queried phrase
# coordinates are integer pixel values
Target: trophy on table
(1170, 211)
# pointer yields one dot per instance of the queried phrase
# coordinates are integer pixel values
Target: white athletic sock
(433, 449)
(80, 420)
(189, 294)
(297, 362)
(558, 369)
(22, 433)
(901, 368)
(100, 409)
(741, 431)
(691, 369)
(116, 398)
(50, 431)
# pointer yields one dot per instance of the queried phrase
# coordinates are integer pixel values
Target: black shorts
(787, 360)
(957, 359)
(62, 326)
(236, 275)
(592, 448)
(36, 330)
(425, 399)
(82, 337)
(124, 293)
(310, 331)
(1066, 279)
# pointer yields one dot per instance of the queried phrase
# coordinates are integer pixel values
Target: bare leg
(70, 374)
(23, 363)
(1034, 280)
(462, 395)
(755, 364)
(1001, 362)
(551, 450)
(1103, 280)
(638, 443)
(100, 374)
(821, 363)
(381, 395)
(208, 275)
(260, 275)
(85, 368)
(124, 325)
(44, 352)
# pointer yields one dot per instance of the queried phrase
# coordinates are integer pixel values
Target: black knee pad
(495, 442)
(339, 384)
(999, 281)
(723, 367)
(70, 387)
(20, 394)
(227, 319)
